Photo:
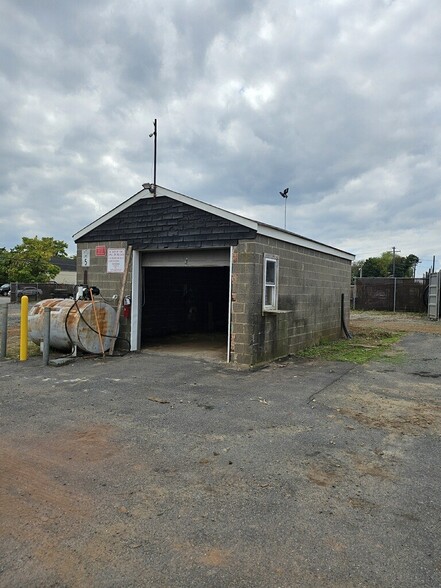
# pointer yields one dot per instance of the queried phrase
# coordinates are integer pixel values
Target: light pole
(284, 195)
(394, 250)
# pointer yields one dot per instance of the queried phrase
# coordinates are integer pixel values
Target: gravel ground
(405, 322)
(152, 470)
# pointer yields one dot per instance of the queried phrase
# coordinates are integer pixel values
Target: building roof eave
(295, 239)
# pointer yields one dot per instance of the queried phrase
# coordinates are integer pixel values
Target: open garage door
(185, 301)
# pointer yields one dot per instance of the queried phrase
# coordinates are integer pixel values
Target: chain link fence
(393, 294)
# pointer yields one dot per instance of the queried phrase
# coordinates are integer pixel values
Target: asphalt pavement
(151, 470)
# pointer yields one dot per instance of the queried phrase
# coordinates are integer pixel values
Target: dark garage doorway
(185, 307)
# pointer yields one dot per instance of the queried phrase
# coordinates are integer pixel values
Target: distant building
(68, 270)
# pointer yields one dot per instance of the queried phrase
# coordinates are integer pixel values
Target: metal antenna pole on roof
(155, 135)
(284, 195)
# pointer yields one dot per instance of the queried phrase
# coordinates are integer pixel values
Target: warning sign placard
(115, 261)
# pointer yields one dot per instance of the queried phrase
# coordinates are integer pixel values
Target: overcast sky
(339, 100)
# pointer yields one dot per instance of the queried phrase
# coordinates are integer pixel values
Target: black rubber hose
(342, 314)
(81, 318)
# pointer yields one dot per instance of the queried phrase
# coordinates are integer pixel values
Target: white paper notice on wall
(85, 258)
(115, 261)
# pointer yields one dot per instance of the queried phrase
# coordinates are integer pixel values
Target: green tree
(409, 265)
(383, 266)
(375, 267)
(404, 266)
(357, 268)
(5, 257)
(30, 261)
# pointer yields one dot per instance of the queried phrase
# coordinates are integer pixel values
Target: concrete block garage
(196, 269)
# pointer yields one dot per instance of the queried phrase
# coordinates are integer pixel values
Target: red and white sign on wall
(115, 261)
(100, 250)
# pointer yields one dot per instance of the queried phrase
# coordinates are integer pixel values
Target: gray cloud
(340, 101)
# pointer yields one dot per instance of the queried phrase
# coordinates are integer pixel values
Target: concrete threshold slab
(60, 361)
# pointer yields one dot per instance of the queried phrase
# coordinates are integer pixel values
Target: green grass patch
(13, 350)
(363, 347)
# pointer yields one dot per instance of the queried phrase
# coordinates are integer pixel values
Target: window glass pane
(269, 295)
(270, 287)
(270, 271)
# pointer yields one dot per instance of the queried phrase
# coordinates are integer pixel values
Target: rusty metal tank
(73, 323)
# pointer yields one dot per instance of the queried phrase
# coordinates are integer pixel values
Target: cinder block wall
(309, 302)
(108, 283)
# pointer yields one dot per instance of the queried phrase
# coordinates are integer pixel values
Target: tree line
(30, 261)
(385, 266)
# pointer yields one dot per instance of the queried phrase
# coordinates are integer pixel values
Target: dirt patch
(215, 557)
(41, 497)
(395, 322)
(324, 474)
(404, 415)
(362, 504)
(35, 503)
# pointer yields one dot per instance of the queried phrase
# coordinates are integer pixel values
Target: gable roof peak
(148, 192)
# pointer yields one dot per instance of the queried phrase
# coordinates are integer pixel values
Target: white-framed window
(270, 282)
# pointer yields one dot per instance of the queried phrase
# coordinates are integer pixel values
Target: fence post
(395, 293)
(4, 338)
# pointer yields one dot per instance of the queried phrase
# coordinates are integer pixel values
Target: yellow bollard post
(24, 328)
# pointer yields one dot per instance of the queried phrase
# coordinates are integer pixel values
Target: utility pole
(394, 250)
